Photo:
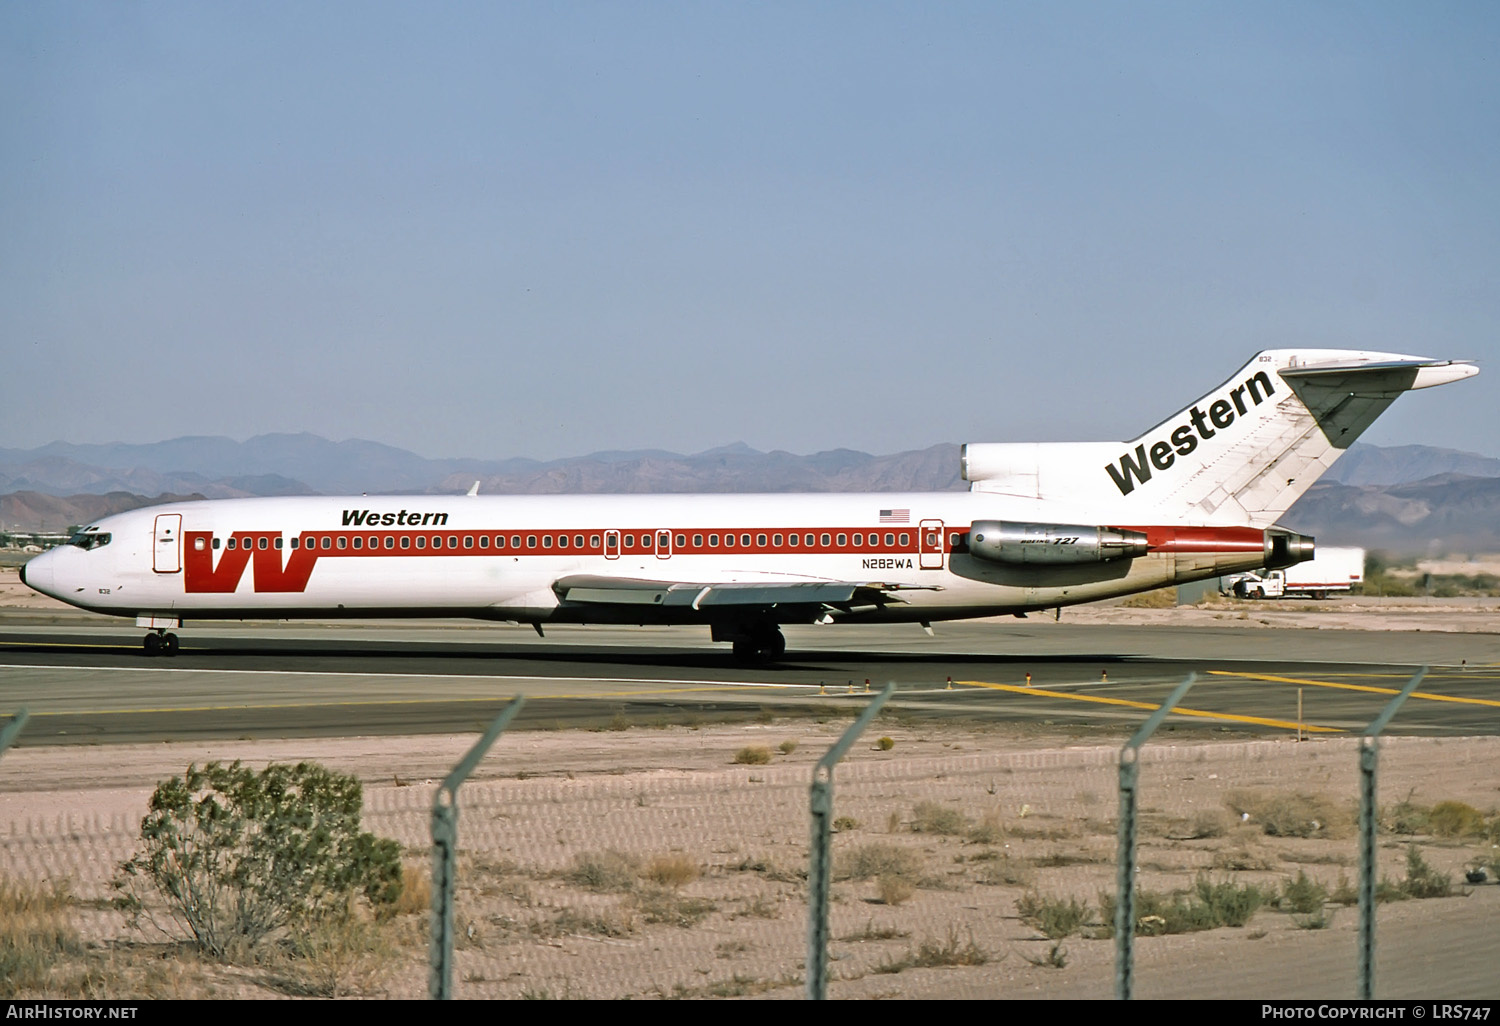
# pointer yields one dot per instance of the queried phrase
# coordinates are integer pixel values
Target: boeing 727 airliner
(1043, 525)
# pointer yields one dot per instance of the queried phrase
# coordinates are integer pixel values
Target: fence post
(445, 855)
(1125, 870)
(13, 728)
(820, 868)
(1369, 758)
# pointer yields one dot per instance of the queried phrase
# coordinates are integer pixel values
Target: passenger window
(681, 540)
(630, 541)
(453, 541)
(229, 544)
(697, 541)
(531, 541)
(890, 539)
(515, 541)
(293, 543)
(198, 544)
(745, 540)
(278, 541)
(760, 540)
(260, 543)
(405, 542)
(859, 539)
(905, 538)
(713, 541)
(342, 542)
(374, 542)
(825, 540)
(216, 544)
(484, 541)
(593, 541)
(437, 541)
(578, 541)
(843, 540)
(546, 541)
(421, 542)
(776, 540)
(358, 541)
(562, 541)
(468, 541)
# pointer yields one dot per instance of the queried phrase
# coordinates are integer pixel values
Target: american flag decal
(895, 516)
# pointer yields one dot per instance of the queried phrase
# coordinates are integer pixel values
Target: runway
(90, 683)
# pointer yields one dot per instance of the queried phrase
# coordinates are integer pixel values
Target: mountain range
(1408, 498)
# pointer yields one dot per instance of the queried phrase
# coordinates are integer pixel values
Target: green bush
(1303, 895)
(1053, 917)
(237, 855)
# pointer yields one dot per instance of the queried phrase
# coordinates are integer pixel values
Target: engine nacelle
(1285, 548)
(1004, 541)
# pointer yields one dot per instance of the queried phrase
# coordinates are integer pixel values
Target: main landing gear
(759, 646)
(161, 642)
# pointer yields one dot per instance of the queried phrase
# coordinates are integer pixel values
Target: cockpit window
(90, 539)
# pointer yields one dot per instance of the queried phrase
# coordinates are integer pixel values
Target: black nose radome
(23, 573)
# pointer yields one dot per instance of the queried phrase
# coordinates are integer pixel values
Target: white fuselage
(499, 557)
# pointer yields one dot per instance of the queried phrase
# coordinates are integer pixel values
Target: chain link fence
(970, 871)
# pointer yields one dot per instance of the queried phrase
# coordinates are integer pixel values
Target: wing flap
(626, 591)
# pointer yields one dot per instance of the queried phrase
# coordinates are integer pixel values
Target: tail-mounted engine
(1003, 541)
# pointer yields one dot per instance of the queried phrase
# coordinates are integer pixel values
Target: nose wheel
(161, 643)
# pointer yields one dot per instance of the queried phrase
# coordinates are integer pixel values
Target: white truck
(1330, 570)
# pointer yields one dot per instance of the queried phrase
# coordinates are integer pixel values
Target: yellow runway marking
(1258, 720)
(1371, 688)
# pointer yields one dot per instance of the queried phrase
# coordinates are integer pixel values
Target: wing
(771, 592)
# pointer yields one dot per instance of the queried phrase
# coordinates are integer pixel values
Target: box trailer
(1331, 570)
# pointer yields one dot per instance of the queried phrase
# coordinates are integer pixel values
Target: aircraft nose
(37, 574)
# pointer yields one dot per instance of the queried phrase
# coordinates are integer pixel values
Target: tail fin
(1241, 455)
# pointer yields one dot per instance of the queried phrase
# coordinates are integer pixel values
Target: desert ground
(670, 861)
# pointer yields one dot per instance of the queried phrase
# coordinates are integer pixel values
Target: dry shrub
(671, 870)
(989, 830)
(875, 860)
(787, 747)
(1456, 819)
(752, 755)
(416, 892)
(1242, 860)
(1161, 598)
(604, 871)
(936, 818)
(672, 909)
(885, 744)
(609, 922)
(1293, 814)
(950, 952)
(1055, 918)
(1201, 825)
(341, 954)
(893, 889)
(34, 933)
(1008, 872)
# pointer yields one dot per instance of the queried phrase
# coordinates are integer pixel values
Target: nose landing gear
(161, 642)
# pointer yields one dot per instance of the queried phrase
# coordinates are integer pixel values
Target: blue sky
(513, 229)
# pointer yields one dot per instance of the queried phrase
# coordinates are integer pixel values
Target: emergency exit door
(930, 545)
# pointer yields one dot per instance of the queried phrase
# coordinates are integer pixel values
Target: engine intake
(1003, 541)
